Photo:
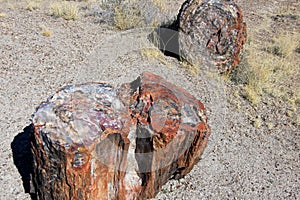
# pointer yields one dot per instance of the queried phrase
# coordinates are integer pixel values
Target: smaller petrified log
(92, 141)
(211, 32)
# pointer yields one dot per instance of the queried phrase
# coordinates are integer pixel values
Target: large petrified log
(211, 33)
(92, 141)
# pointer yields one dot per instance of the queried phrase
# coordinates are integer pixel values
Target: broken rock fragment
(92, 141)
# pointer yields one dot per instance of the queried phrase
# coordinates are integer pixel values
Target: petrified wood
(211, 33)
(92, 141)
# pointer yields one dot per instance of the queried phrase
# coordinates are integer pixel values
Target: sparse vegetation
(66, 10)
(11, 6)
(154, 54)
(6, 25)
(194, 70)
(127, 18)
(2, 15)
(298, 121)
(268, 65)
(160, 4)
(33, 5)
(287, 9)
(257, 122)
(134, 13)
(45, 31)
(270, 125)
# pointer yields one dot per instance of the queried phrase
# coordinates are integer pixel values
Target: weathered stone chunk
(211, 33)
(92, 141)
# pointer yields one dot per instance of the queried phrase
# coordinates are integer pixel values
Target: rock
(92, 141)
(211, 33)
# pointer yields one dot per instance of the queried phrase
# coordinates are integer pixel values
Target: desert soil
(246, 158)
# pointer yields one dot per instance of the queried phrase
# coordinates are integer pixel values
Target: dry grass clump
(285, 44)
(269, 65)
(33, 5)
(298, 121)
(257, 123)
(287, 8)
(162, 5)
(64, 9)
(45, 31)
(154, 54)
(130, 14)
(2, 15)
(126, 18)
(192, 69)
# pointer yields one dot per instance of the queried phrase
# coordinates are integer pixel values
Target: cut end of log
(85, 112)
(211, 32)
(92, 141)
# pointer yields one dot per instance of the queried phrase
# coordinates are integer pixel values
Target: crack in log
(125, 147)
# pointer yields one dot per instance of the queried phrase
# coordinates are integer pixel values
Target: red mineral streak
(211, 33)
(92, 141)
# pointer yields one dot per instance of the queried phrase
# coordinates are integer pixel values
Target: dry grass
(45, 31)
(285, 44)
(162, 5)
(127, 18)
(2, 15)
(11, 6)
(257, 123)
(89, 4)
(269, 65)
(270, 60)
(193, 70)
(7, 25)
(155, 54)
(298, 121)
(287, 8)
(66, 10)
(128, 14)
(33, 5)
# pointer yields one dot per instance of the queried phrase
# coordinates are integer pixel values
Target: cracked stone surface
(92, 141)
(211, 33)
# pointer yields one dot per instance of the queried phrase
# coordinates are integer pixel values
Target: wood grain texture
(211, 33)
(92, 141)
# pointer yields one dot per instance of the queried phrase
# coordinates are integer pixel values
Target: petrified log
(92, 141)
(211, 33)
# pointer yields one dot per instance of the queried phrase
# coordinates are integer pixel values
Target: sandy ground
(240, 162)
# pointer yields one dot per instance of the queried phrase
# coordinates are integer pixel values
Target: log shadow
(165, 38)
(23, 158)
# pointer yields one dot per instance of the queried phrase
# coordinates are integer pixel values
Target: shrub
(268, 65)
(64, 9)
(45, 31)
(127, 18)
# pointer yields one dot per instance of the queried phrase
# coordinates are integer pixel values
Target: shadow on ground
(23, 158)
(165, 38)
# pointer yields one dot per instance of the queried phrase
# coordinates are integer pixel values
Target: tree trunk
(92, 141)
(211, 34)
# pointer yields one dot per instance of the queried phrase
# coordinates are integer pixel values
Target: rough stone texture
(211, 33)
(92, 141)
